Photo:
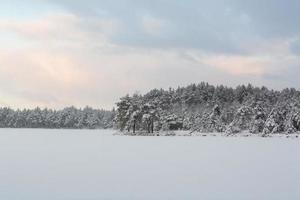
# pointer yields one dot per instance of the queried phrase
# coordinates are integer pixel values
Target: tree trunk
(148, 127)
(133, 128)
(152, 126)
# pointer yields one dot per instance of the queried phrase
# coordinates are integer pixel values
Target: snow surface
(94, 165)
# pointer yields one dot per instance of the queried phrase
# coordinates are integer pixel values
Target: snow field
(94, 164)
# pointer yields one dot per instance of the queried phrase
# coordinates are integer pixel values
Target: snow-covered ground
(189, 133)
(94, 165)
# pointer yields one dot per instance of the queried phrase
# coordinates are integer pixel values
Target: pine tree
(242, 120)
(259, 118)
(123, 116)
(276, 119)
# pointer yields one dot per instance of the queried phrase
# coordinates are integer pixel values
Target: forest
(68, 118)
(199, 107)
(206, 108)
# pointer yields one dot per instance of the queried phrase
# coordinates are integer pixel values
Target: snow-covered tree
(123, 113)
(241, 121)
(210, 121)
(275, 122)
(292, 122)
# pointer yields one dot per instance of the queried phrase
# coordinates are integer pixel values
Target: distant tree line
(69, 118)
(207, 108)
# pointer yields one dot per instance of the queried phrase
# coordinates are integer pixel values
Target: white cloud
(61, 29)
(152, 25)
(238, 65)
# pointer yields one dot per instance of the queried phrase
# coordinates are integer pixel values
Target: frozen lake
(94, 165)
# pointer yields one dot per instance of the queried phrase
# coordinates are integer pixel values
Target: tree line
(197, 107)
(206, 108)
(70, 117)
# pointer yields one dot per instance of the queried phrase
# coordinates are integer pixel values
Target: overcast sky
(57, 53)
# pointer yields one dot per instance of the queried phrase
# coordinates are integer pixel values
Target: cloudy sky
(57, 53)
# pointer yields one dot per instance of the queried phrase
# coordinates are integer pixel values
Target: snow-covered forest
(207, 108)
(196, 108)
(70, 117)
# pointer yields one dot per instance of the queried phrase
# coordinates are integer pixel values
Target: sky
(57, 53)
